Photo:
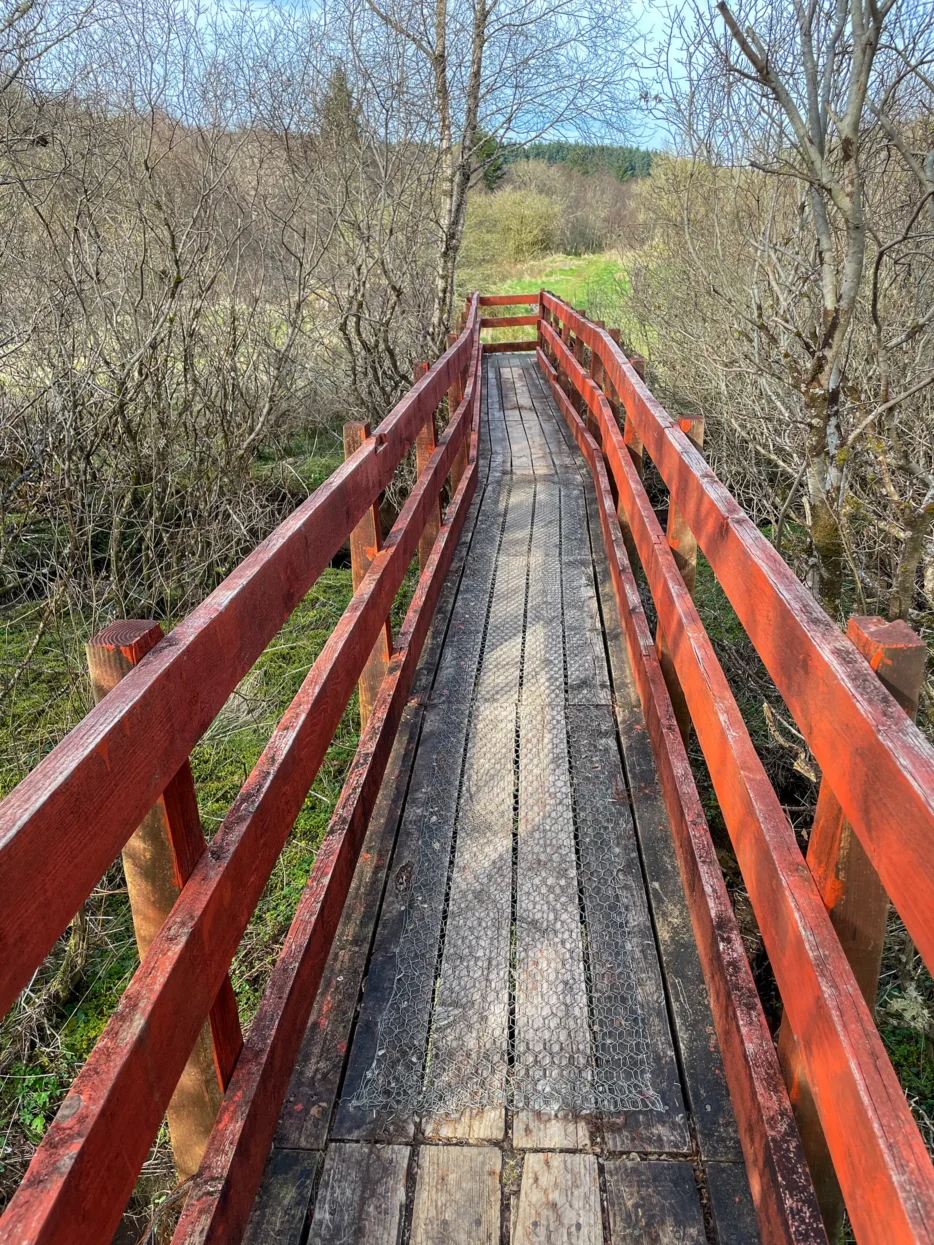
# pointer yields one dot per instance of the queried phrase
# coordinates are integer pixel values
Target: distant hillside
(623, 162)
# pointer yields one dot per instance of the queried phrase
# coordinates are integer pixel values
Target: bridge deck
(513, 1041)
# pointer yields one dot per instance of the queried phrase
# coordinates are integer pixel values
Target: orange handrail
(879, 1156)
(109, 770)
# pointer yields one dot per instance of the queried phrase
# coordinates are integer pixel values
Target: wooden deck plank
(553, 1066)
(559, 1201)
(470, 1025)
(654, 1203)
(387, 1055)
(281, 1206)
(308, 1104)
(632, 1033)
(457, 1196)
(390, 1045)
(731, 1204)
(362, 1195)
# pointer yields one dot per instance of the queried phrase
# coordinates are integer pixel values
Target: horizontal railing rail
(63, 826)
(859, 735)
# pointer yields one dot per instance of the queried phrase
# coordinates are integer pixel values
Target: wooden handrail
(860, 737)
(117, 761)
(85, 1168)
(880, 1158)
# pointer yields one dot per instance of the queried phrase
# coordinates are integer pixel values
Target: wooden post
(366, 540)
(596, 363)
(566, 338)
(630, 436)
(543, 314)
(684, 547)
(158, 860)
(455, 397)
(598, 376)
(851, 890)
(425, 443)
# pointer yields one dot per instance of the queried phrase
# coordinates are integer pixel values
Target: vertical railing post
(684, 547)
(542, 315)
(366, 540)
(562, 375)
(852, 893)
(455, 397)
(599, 378)
(630, 437)
(157, 861)
(425, 442)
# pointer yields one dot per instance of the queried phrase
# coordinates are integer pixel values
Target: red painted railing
(877, 763)
(63, 826)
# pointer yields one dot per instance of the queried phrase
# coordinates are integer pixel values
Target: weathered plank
(306, 1111)
(362, 1196)
(307, 1108)
(559, 1201)
(636, 1084)
(553, 1072)
(731, 1204)
(382, 1086)
(467, 1064)
(653, 1203)
(281, 1206)
(457, 1196)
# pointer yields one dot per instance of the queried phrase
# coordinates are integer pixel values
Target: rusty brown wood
(366, 540)
(157, 861)
(851, 890)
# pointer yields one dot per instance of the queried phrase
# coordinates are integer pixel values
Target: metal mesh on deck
(517, 939)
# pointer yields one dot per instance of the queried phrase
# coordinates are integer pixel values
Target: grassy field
(597, 283)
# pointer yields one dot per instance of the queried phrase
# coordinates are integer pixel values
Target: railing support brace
(854, 896)
(157, 860)
(366, 540)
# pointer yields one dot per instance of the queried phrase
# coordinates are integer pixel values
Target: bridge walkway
(513, 1040)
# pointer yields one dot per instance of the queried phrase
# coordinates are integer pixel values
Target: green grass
(598, 284)
(572, 277)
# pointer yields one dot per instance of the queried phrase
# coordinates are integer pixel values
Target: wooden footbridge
(513, 1005)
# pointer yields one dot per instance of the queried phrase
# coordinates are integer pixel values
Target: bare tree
(464, 71)
(811, 125)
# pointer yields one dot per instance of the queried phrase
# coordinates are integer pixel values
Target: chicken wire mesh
(515, 983)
